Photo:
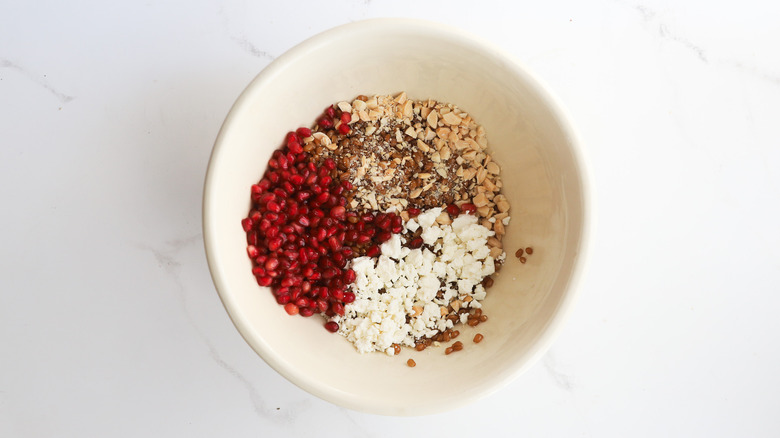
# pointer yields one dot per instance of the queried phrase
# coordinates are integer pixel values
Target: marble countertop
(110, 324)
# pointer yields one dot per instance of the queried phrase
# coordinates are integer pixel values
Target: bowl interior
(542, 179)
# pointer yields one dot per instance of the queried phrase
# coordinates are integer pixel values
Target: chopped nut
(451, 119)
(492, 167)
(444, 218)
(481, 174)
(502, 203)
(358, 105)
(480, 200)
(461, 144)
(422, 146)
(433, 119)
(407, 109)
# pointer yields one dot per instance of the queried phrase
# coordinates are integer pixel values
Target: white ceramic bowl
(543, 179)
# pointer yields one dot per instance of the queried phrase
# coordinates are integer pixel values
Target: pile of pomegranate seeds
(300, 236)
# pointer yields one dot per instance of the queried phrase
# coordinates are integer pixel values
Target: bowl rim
(558, 111)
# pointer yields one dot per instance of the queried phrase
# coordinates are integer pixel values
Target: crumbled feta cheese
(404, 282)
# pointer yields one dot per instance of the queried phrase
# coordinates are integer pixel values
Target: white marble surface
(110, 325)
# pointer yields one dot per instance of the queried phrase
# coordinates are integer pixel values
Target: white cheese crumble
(395, 294)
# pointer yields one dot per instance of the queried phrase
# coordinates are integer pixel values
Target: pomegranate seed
(349, 276)
(334, 243)
(291, 309)
(336, 293)
(384, 236)
(295, 147)
(302, 196)
(337, 308)
(274, 244)
(416, 243)
(297, 179)
(322, 292)
(307, 311)
(329, 164)
(332, 326)
(271, 264)
(330, 112)
(346, 118)
(330, 273)
(344, 129)
(363, 238)
(347, 185)
(325, 123)
(413, 212)
(384, 223)
(338, 212)
(246, 224)
(303, 132)
(373, 251)
(273, 206)
(264, 281)
(282, 299)
(322, 198)
(252, 251)
(397, 229)
(303, 221)
(348, 297)
(468, 208)
(322, 305)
